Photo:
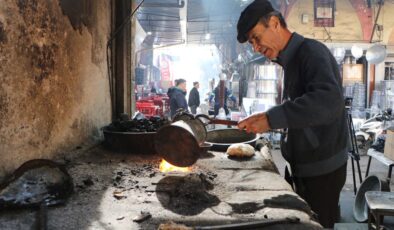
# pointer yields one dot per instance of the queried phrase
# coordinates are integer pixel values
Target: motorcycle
(372, 128)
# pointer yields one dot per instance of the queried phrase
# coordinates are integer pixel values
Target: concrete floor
(347, 194)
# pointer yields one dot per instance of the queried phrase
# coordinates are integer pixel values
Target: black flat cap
(250, 16)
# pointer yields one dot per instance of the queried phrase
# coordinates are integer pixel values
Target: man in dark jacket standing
(194, 97)
(313, 110)
(177, 96)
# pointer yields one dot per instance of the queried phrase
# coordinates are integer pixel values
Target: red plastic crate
(147, 108)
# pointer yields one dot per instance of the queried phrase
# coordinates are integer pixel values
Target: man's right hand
(256, 123)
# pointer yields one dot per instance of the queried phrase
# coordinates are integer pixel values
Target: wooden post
(122, 65)
(371, 82)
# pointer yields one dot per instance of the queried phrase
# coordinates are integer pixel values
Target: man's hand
(256, 123)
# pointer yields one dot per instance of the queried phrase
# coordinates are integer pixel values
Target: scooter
(372, 128)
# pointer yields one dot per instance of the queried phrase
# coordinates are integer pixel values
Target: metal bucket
(371, 183)
(182, 142)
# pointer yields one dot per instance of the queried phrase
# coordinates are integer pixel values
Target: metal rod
(157, 20)
(389, 174)
(376, 20)
(223, 122)
(41, 221)
(158, 14)
(354, 178)
(251, 225)
(369, 164)
(359, 172)
(166, 5)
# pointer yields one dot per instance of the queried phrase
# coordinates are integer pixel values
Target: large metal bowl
(221, 139)
(130, 142)
(371, 183)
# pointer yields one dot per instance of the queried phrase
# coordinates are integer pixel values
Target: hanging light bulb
(357, 51)
(339, 54)
(207, 36)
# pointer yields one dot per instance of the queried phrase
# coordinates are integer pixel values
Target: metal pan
(221, 139)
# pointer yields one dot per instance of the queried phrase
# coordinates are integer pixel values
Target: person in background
(216, 97)
(177, 96)
(153, 88)
(194, 97)
(313, 109)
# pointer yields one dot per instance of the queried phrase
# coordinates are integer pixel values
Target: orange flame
(167, 167)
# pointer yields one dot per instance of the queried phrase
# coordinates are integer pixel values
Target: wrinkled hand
(256, 123)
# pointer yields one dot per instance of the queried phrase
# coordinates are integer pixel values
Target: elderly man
(312, 111)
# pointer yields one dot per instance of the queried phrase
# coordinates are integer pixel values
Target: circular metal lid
(376, 54)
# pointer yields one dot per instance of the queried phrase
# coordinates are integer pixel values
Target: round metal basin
(221, 139)
(371, 183)
(130, 142)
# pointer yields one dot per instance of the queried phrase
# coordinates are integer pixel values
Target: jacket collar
(180, 90)
(287, 54)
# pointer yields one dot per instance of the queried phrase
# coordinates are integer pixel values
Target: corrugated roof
(215, 17)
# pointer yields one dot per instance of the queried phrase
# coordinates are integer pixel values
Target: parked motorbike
(372, 128)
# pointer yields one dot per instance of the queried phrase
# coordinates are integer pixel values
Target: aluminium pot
(371, 183)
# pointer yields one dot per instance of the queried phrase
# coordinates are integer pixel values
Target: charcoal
(124, 117)
(88, 182)
(138, 125)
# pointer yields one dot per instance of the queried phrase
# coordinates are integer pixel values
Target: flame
(167, 167)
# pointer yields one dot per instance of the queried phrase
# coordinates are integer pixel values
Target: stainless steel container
(182, 142)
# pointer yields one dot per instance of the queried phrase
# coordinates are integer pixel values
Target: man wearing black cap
(312, 111)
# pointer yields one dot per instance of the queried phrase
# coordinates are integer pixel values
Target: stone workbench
(112, 189)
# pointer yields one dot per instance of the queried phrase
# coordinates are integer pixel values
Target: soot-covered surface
(54, 91)
(112, 190)
(36, 182)
(186, 195)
